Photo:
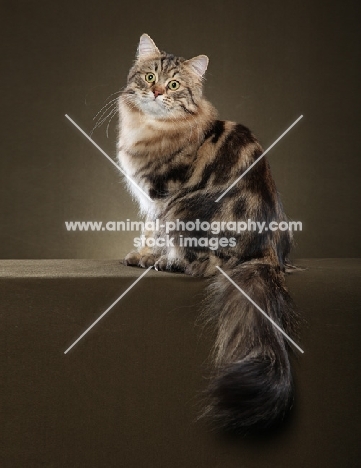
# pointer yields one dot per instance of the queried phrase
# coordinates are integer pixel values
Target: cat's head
(162, 85)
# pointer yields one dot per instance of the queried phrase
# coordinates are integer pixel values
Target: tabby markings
(258, 159)
(258, 307)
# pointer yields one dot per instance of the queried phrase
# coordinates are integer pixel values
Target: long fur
(174, 147)
(252, 385)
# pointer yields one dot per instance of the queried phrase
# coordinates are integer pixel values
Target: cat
(177, 151)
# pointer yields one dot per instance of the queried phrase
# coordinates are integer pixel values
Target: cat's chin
(154, 108)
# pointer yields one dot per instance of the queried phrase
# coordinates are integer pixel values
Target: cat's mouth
(154, 98)
(154, 105)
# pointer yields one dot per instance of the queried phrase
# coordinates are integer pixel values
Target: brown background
(270, 61)
(129, 393)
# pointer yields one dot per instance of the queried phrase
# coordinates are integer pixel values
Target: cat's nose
(157, 92)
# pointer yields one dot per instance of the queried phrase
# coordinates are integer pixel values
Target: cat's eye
(173, 85)
(150, 77)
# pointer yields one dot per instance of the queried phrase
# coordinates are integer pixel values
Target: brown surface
(128, 394)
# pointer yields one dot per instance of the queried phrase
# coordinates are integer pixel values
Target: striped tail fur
(251, 388)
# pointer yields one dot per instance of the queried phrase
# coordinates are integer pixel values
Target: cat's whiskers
(105, 117)
(115, 112)
(105, 112)
(109, 110)
(110, 103)
(125, 98)
(117, 92)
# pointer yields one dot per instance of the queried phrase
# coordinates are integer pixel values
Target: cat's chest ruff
(135, 135)
(138, 129)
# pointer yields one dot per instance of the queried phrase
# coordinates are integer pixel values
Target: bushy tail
(252, 385)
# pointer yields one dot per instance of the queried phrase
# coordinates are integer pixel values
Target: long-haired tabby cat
(172, 145)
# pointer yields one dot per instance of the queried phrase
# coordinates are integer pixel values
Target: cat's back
(227, 149)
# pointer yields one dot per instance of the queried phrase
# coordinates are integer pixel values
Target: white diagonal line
(264, 313)
(108, 309)
(105, 154)
(258, 159)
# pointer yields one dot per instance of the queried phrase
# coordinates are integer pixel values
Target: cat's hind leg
(205, 266)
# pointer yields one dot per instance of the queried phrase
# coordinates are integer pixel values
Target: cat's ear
(146, 47)
(198, 64)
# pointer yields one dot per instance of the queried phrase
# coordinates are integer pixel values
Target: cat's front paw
(137, 259)
(147, 260)
(175, 266)
(132, 259)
